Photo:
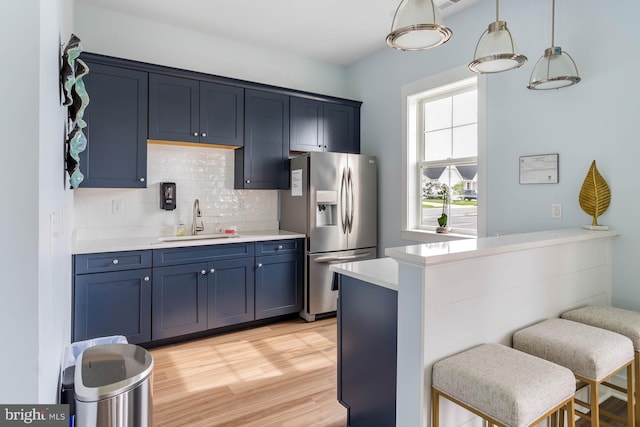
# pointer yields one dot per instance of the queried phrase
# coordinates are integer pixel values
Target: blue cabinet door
(174, 104)
(221, 114)
(179, 300)
(279, 285)
(341, 128)
(230, 292)
(116, 303)
(263, 162)
(307, 126)
(116, 153)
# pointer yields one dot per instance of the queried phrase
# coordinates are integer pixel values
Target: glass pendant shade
(556, 68)
(496, 51)
(417, 26)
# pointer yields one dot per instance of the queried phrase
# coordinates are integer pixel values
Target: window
(443, 152)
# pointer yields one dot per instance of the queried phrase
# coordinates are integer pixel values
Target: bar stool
(592, 354)
(624, 322)
(503, 386)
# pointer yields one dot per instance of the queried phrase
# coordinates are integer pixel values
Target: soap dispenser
(168, 196)
(180, 231)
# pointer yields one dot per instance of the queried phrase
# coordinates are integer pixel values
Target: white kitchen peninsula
(455, 295)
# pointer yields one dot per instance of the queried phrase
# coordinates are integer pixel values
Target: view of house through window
(447, 157)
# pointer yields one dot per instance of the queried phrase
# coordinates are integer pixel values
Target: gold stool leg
(595, 407)
(571, 417)
(435, 408)
(631, 407)
(636, 384)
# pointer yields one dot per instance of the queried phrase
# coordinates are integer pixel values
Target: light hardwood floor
(282, 374)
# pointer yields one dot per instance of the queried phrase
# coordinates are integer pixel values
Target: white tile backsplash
(199, 173)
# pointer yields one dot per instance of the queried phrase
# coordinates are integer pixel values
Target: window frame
(410, 182)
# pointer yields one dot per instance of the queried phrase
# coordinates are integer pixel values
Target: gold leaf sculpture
(595, 195)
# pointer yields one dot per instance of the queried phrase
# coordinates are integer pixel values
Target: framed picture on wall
(539, 169)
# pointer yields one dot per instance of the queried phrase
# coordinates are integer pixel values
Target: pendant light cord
(497, 10)
(553, 22)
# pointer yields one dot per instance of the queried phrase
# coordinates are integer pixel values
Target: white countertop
(457, 250)
(382, 271)
(139, 243)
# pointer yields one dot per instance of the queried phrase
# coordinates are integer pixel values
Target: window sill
(426, 236)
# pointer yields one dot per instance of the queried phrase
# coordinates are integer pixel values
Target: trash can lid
(107, 370)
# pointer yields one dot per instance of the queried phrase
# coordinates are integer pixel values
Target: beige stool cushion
(624, 322)
(512, 387)
(590, 352)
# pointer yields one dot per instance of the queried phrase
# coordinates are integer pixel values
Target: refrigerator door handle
(331, 258)
(343, 201)
(351, 204)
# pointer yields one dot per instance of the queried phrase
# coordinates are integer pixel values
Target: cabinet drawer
(278, 247)
(112, 261)
(175, 256)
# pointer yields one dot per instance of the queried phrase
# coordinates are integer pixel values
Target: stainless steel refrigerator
(333, 201)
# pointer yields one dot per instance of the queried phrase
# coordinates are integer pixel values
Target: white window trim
(409, 225)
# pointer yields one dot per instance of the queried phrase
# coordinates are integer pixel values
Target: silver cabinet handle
(279, 247)
(203, 272)
(259, 264)
(248, 181)
(195, 134)
(204, 135)
(141, 179)
(146, 278)
(213, 270)
(115, 262)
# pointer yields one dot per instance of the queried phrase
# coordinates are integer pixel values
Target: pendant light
(556, 68)
(496, 51)
(417, 26)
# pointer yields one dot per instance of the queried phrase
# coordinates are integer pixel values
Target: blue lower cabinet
(166, 293)
(179, 300)
(278, 285)
(114, 303)
(230, 292)
(367, 346)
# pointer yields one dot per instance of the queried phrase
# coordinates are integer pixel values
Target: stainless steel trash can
(113, 387)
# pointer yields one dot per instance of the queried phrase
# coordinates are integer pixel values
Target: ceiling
(332, 31)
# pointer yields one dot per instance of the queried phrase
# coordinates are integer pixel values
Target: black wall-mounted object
(168, 196)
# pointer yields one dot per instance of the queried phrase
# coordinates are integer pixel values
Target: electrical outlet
(556, 210)
(116, 206)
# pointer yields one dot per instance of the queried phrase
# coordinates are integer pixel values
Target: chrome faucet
(195, 228)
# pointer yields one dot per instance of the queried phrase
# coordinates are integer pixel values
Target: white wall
(34, 295)
(114, 34)
(55, 210)
(19, 302)
(593, 120)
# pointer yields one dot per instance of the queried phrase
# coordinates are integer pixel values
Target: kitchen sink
(197, 237)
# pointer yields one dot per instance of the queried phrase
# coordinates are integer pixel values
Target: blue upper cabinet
(306, 125)
(341, 128)
(324, 126)
(263, 162)
(221, 114)
(116, 153)
(187, 110)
